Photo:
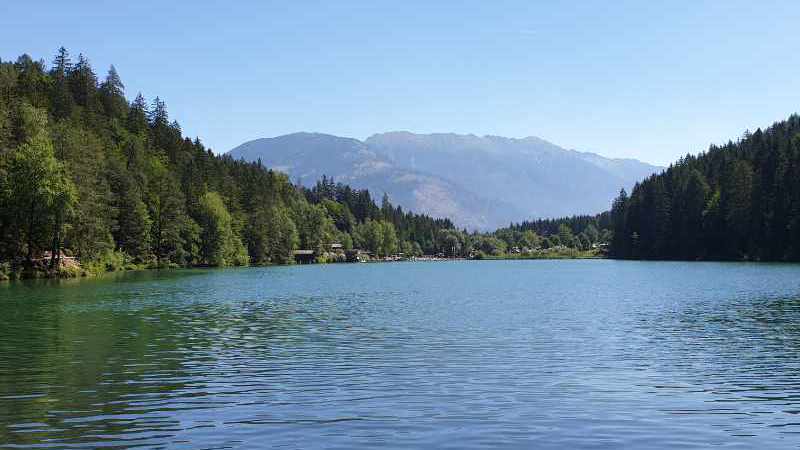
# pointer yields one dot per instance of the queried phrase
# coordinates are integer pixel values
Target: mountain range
(478, 182)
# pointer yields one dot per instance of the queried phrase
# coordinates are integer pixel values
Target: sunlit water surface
(515, 354)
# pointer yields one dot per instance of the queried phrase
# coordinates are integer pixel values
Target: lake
(468, 354)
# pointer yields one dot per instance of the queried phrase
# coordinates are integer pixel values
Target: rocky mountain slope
(479, 182)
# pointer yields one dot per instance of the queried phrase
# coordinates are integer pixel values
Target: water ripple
(545, 354)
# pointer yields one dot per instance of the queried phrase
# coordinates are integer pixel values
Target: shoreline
(82, 273)
(79, 272)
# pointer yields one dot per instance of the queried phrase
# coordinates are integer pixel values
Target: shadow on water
(111, 359)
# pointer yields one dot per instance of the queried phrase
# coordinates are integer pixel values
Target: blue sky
(624, 79)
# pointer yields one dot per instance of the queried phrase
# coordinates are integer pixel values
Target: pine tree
(695, 195)
(114, 182)
(83, 83)
(112, 92)
(132, 221)
(619, 243)
(62, 100)
(158, 116)
(138, 115)
(169, 219)
(736, 203)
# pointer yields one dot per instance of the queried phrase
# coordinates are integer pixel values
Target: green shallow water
(493, 354)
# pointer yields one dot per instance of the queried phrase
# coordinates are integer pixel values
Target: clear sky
(624, 79)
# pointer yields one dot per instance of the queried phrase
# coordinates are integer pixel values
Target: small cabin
(304, 256)
(336, 248)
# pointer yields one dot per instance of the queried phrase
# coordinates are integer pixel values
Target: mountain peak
(478, 181)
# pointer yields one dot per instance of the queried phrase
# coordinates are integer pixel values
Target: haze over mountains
(478, 182)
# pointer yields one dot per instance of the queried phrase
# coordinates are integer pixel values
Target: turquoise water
(494, 354)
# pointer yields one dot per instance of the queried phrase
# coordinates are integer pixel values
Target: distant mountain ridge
(479, 182)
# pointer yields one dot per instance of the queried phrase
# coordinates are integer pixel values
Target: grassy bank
(568, 253)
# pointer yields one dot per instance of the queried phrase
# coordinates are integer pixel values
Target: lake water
(494, 354)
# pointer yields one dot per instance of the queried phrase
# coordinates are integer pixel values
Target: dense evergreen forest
(740, 201)
(87, 174)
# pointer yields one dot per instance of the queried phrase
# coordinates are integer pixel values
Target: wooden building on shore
(304, 256)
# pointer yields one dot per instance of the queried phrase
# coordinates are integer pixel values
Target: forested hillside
(738, 201)
(115, 184)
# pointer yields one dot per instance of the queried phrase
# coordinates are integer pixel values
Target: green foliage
(108, 261)
(271, 236)
(389, 244)
(314, 228)
(565, 234)
(82, 152)
(531, 239)
(112, 95)
(340, 214)
(6, 272)
(132, 223)
(220, 245)
(451, 243)
(369, 236)
(579, 233)
(118, 186)
(8, 83)
(171, 229)
(346, 240)
(377, 236)
(38, 193)
(490, 245)
(417, 228)
(738, 201)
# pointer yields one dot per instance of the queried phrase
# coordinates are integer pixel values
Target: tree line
(567, 236)
(87, 173)
(580, 232)
(739, 201)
